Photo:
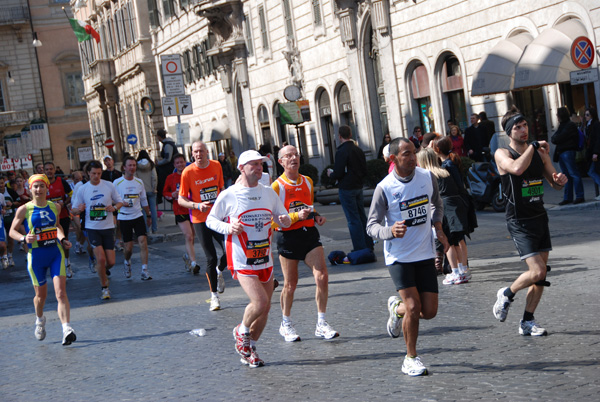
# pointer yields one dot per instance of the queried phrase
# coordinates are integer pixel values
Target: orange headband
(39, 177)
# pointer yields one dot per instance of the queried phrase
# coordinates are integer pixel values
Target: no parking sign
(582, 52)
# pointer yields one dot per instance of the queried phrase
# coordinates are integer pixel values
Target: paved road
(137, 346)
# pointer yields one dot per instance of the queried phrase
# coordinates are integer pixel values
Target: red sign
(582, 52)
(109, 143)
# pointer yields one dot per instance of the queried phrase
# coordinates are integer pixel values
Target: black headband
(511, 122)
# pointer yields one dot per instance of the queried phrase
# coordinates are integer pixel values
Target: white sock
(67, 261)
(193, 263)
(214, 295)
(461, 268)
(66, 325)
(320, 317)
(455, 271)
(287, 319)
(128, 262)
(243, 329)
(9, 255)
(39, 320)
(144, 267)
(252, 343)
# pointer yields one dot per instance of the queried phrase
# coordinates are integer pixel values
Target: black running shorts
(101, 237)
(531, 236)
(136, 225)
(182, 218)
(296, 244)
(419, 274)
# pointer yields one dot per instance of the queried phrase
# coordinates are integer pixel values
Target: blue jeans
(593, 173)
(353, 205)
(152, 203)
(568, 166)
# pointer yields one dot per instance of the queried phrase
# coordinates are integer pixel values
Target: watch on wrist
(535, 145)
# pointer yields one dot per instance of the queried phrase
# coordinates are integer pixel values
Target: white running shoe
(92, 265)
(394, 324)
(146, 275)
(528, 328)
(413, 366)
(40, 329)
(4, 262)
(188, 263)
(11, 262)
(454, 279)
(467, 274)
(105, 294)
(215, 303)
(501, 306)
(287, 330)
(68, 336)
(220, 282)
(69, 271)
(127, 269)
(324, 331)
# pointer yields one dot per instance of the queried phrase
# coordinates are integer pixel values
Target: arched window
(453, 98)
(265, 127)
(421, 95)
(326, 125)
(345, 106)
(376, 88)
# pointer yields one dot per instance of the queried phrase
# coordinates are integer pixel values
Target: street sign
(132, 139)
(294, 112)
(109, 143)
(170, 64)
(173, 85)
(85, 154)
(584, 76)
(177, 105)
(582, 52)
(70, 152)
(14, 164)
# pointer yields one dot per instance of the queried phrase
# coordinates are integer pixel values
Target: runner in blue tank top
(47, 244)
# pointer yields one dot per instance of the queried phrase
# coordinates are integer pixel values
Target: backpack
(580, 140)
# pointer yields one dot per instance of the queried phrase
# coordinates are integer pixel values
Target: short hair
(475, 114)
(345, 132)
(483, 115)
(95, 164)
(161, 133)
(395, 144)
(50, 163)
(513, 111)
(128, 158)
(563, 114)
(417, 128)
(427, 138)
(178, 156)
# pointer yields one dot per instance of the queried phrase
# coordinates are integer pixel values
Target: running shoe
(215, 303)
(68, 336)
(454, 279)
(467, 274)
(531, 328)
(4, 262)
(275, 283)
(220, 282)
(105, 294)
(196, 268)
(394, 324)
(188, 263)
(92, 265)
(287, 330)
(40, 329)
(118, 245)
(11, 262)
(502, 305)
(127, 269)
(413, 366)
(69, 271)
(242, 342)
(324, 331)
(107, 271)
(22, 246)
(253, 361)
(146, 275)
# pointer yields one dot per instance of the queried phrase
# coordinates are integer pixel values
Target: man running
(244, 212)
(522, 168)
(405, 203)
(300, 242)
(130, 217)
(60, 193)
(98, 200)
(201, 183)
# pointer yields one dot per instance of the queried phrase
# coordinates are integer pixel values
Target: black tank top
(524, 193)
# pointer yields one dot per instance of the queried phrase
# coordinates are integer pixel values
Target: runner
(130, 217)
(300, 242)
(405, 203)
(60, 193)
(522, 168)
(201, 183)
(48, 241)
(182, 215)
(243, 212)
(98, 200)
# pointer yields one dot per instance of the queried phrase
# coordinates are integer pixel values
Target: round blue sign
(132, 139)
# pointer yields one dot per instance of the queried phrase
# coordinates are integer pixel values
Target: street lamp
(11, 80)
(36, 41)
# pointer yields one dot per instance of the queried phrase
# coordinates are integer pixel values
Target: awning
(216, 131)
(496, 71)
(79, 135)
(547, 60)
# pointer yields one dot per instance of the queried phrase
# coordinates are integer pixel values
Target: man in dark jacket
(349, 170)
(487, 128)
(164, 166)
(473, 137)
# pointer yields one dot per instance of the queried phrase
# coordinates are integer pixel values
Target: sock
(455, 271)
(508, 293)
(320, 317)
(243, 329)
(67, 261)
(9, 255)
(287, 319)
(461, 268)
(193, 264)
(66, 325)
(128, 262)
(144, 267)
(38, 320)
(214, 295)
(252, 343)
(527, 316)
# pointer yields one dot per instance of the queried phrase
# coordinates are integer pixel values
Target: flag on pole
(83, 31)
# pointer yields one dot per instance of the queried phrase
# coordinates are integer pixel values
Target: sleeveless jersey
(525, 193)
(42, 221)
(58, 192)
(295, 197)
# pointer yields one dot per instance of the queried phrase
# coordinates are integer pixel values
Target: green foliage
(309, 170)
(465, 163)
(325, 180)
(377, 169)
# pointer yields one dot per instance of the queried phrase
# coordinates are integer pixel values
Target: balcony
(102, 72)
(14, 15)
(18, 118)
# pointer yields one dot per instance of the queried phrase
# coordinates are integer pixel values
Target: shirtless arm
(516, 167)
(556, 180)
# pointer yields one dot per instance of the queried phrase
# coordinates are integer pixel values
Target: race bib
(209, 194)
(56, 200)
(532, 190)
(98, 213)
(46, 237)
(257, 252)
(129, 199)
(414, 211)
(297, 206)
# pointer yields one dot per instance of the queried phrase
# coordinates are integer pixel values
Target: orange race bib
(46, 237)
(257, 252)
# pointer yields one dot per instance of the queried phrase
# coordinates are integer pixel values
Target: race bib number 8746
(414, 211)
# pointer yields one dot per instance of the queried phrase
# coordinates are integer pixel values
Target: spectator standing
(592, 133)
(488, 128)
(472, 141)
(386, 140)
(566, 139)
(457, 141)
(110, 173)
(227, 170)
(350, 170)
(165, 165)
(147, 173)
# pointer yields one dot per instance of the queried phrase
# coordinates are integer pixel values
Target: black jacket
(473, 138)
(350, 166)
(592, 132)
(566, 138)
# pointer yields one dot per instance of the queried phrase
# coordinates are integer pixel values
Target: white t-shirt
(254, 207)
(96, 199)
(133, 194)
(77, 187)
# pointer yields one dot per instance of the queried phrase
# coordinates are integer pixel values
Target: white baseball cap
(107, 157)
(249, 156)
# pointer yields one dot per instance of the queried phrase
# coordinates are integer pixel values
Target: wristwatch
(535, 145)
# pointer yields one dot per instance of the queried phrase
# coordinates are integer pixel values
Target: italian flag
(83, 31)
